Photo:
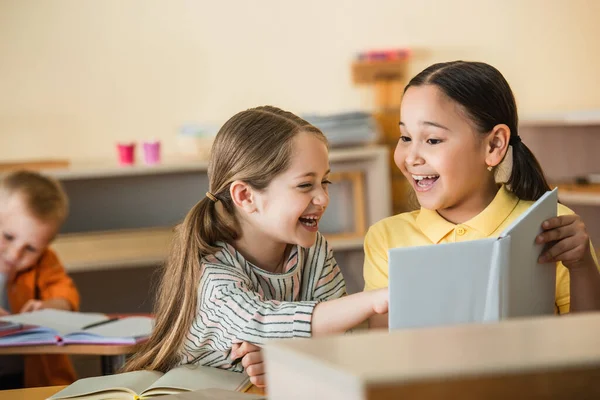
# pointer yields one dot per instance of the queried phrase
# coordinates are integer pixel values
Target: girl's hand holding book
(252, 360)
(571, 242)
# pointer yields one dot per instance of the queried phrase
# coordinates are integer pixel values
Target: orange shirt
(45, 280)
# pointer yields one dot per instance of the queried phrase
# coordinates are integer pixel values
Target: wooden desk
(38, 393)
(538, 358)
(41, 393)
(112, 356)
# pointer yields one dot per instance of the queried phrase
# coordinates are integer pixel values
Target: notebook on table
(46, 327)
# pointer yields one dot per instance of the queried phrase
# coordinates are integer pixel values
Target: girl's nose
(321, 199)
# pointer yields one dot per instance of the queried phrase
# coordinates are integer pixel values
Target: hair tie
(514, 139)
(212, 197)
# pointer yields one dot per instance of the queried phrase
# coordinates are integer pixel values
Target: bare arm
(585, 288)
(340, 315)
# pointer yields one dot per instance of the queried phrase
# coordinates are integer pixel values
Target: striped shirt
(239, 302)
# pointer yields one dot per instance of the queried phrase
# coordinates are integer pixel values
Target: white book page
(63, 322)
(442, 284)
(192, 378)
(129, 327)
(129, 382)
(530, 287)
(214, 394)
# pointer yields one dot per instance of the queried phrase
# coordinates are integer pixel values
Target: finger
(554, 252)
(27, 306)
(382, 307)
(235, 348)
(256, 369)
(252, 358)
(556, 234)
(3, 312)
(572, 256)
(258, 381)
(561, 220)
(246, 348)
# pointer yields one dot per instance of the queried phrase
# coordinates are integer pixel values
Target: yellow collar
(435, 227)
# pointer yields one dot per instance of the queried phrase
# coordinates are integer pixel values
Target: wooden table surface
(89, 349)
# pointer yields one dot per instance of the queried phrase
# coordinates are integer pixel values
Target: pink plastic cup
(151, 152)
(126, 153)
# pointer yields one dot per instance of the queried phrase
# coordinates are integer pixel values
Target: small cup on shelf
(126, 153)
(151, 152)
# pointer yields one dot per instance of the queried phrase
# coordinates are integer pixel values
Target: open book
(475, 281)
(66, 327)
(147, 384)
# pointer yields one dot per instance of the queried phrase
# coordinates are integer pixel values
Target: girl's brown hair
(253, 146)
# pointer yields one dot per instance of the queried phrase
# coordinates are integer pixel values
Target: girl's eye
(405, 139)
(326, 182)
(7, 236)
(305, 185)
(434, 141)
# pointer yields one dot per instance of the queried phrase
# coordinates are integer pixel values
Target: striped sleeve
(331, 284)
(232, 312)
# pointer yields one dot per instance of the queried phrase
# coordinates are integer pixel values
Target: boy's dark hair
(488, 100)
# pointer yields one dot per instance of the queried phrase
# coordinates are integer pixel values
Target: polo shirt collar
(435, 227)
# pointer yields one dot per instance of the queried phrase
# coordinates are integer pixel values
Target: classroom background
(80, 77)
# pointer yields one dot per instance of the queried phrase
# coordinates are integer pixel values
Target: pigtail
(527, 180)
(176, 301)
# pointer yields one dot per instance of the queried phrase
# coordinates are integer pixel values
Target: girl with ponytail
(458, 121)
(248, 263)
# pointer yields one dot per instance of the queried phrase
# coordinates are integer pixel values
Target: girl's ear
(497, 145)
(242, 196)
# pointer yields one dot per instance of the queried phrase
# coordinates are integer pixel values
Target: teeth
(310, 217)
(421, 177)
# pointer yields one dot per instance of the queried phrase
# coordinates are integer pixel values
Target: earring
(489, 168)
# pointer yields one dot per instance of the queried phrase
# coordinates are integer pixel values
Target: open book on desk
(148, 384)
(47, 327)
(475, 281)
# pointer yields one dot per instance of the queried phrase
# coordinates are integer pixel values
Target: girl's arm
(585, 288)
(340, 315)
(571, 246)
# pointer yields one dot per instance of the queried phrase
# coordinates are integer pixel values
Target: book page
(193, 377)
(129, 382)
(441, 284)
(214, 394)
(127, 327)
(529, 287)
(63, 322)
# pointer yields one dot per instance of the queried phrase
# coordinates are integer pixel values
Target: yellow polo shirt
(423, 227)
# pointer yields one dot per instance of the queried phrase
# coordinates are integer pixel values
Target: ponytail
(527, 180)
(177, 298)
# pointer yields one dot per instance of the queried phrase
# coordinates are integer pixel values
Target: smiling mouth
(310, 220)
(425, 181)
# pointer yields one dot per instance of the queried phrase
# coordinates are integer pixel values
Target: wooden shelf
(139, 248)
(112, 250)
(579, 194)
(576, 118)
